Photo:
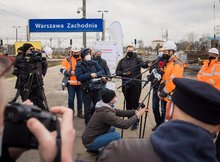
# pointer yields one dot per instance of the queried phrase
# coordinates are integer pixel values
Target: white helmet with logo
(214, 50)
(170, 45)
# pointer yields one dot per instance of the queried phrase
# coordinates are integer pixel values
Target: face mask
(113, 104)
(130, 54)
(160, 54)
(98, 57)
(88, 58)
(19, 53)
(76, 56)
(166, 57)
(212, 58)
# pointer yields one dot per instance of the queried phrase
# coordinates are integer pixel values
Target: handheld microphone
(156, 75)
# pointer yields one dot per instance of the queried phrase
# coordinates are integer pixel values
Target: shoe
(80, 115)
(134, 126)
(93, 152)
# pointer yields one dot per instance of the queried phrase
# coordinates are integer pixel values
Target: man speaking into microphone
(124, 69)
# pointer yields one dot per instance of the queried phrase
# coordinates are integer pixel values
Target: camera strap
(58, 141)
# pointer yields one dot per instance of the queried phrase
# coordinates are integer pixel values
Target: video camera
(16, 133)
(34, 57)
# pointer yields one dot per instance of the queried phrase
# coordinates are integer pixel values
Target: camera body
(34, 57)
(16, 133)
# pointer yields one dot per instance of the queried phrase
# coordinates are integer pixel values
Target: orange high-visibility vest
(66, 66)
(210, 74)
(173, 69)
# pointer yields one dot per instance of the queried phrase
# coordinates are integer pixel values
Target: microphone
(156, 75)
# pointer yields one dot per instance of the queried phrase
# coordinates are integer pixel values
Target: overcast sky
(140, 19)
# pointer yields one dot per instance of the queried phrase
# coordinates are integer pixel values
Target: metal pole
(214, 20)
(103, 30)
(84, 16)
(28, 33)
(16, 33)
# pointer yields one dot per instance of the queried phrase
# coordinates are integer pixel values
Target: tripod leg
(145, 118)
(46, 108)
(140, 129)
(27, 89)
(122, 130)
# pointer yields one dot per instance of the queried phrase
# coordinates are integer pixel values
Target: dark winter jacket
(101, 62)
(84, 69)
(83, 73)
(173, 141)
(182, 141)
(128, 63)
(104, 118)
(23, 67)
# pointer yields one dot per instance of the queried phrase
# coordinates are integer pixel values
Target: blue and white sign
(65, 25)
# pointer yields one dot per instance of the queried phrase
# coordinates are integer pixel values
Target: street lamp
(83, 9)
(16, 31)
(103, 30)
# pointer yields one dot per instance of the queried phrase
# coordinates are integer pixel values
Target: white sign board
(110, 53)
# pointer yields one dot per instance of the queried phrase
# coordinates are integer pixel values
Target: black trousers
(132, 92)
(90, 99)
(159, 108)
(35, 96)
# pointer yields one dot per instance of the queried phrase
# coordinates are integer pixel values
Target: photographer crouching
(30, 69)
(37, 128)
(100, 130)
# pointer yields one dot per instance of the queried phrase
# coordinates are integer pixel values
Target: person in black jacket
(17, 61)
(89, 73)
(132, 90)
(101, 62)
(31, 62)
(158, 105)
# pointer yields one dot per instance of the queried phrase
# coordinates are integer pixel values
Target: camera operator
(31, 64)
(46, 139)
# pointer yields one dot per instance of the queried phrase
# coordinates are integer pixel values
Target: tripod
(29, 88)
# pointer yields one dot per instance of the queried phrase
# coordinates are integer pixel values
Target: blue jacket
(84, 69)
(179, 141)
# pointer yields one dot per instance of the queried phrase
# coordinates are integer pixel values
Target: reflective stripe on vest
(73, 81)
(212, 72)
(212, 81)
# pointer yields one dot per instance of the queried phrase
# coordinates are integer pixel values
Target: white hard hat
(169, 45)
(75, 50)
(214, 50)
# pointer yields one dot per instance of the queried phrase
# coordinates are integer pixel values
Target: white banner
(116, 34)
